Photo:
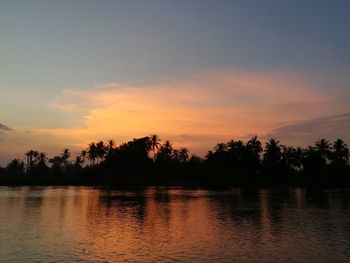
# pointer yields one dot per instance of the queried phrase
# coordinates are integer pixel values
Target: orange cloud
(197, 112)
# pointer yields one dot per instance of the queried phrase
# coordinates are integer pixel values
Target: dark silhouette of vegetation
(147, 161)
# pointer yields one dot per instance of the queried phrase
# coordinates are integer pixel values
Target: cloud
(307, 131)
(197, 112)
(4, 128)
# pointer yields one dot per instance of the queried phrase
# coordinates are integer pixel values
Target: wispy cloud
(4, 128)
(197, 111)
(307, 131)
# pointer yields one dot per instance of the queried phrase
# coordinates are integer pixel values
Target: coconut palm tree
(232, 146)
(272, 152)
(78, 161)
(101, 150)
(155, 143)
(42, 159)
(254, 146)
(298, 158)
(323, 148)
(83, 155)
(110, 147)
(165, 152)
(65, 155)
(92, 152)
(32, 159)
(29, 156)
(236, 152)
(35, 157)
(220, 147)
(15, 167)
(288, 154)
(272, 158)
(183, 154)
(253, 152)
(340, 154)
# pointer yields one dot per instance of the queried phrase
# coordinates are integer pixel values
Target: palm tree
(15, 167)
(155, 143)
(78, 161)
(111, 145)
(298, 158)
(220, 147)
(42, 159)
(83, 155)
(272, 158)
(340, 154)
(36, 156)
(183, 154)
(231, 146)
(32, 158)
(254, 146)
(168, 146)
(175, 155)
(165, 152)
(29, 156)
(65, 155)
(236, 150)
(323, 148)
(254, 149)
(101, 150)
(92, 152)
(288, 156)
(272, 153)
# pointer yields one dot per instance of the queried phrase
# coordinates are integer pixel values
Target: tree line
(148, 158)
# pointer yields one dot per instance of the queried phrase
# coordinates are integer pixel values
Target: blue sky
(49, 47)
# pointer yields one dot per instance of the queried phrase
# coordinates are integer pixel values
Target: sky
(195, 72)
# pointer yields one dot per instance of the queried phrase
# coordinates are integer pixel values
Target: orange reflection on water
(159, 224)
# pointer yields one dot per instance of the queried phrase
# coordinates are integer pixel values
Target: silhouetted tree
(132, 155)
(165, 153)
(235, 156)
(92, 152)
(339, 156)
(155, 143)
(323, 148)
(183, 155)
(42, 158)
(30, 156)
(288, 157)
(272, 157)
(56, 165)
(254, 150)
(227, 163)
(220, 147)
(110, 146)
(60, 164)
(36, 162)
(83, 155)
(78, 161)
(65, 156)
(101, 150)
(254, 146)
(15, 168)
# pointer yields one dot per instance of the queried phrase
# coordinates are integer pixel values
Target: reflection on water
(166, 225)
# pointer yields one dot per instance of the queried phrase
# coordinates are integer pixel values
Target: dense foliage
(147, 160)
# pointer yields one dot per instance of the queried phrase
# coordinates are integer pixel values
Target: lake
(80, 224)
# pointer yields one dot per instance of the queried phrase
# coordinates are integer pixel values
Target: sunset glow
(197, 105)
(174, 131)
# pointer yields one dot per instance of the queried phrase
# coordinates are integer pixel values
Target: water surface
(76, 224)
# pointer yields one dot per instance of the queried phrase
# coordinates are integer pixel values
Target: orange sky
(196, 112)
